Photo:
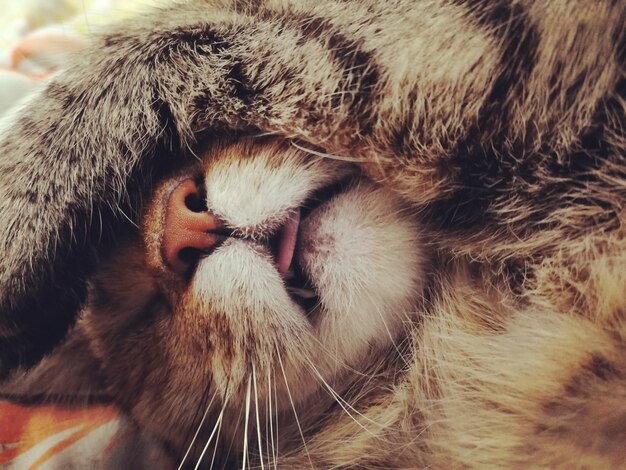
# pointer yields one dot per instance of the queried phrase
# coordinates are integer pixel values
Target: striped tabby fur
(501, 122)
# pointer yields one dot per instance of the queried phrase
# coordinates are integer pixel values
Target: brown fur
(501, 123)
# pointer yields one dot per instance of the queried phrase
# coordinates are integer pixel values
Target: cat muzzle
(189, 229)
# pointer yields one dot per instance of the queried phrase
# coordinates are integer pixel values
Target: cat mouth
(285, 244)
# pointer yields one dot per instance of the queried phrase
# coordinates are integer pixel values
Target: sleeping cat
(419, 264)
(261, 266)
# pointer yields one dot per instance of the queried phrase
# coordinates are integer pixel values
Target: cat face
(260, 270)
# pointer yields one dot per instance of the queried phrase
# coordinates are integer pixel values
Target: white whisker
(328, 155)
(234, 434)
(208, 442)
(293, 407)
(268, 410)
(271, 419)
(343, 403)
(193, 439)
(276, 443)
(134, 224)
(258, 421)
(217, 438)
(245, 430)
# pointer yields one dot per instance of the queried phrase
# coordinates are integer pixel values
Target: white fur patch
(256, 194)
(362, 252)
(360, 249)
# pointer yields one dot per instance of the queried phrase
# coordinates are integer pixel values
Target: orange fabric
(23, 427)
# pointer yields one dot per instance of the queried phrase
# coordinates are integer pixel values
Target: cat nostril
(189, 255)
(195, 203)
(190, 229)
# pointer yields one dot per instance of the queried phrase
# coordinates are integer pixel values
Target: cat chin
(160, 344)
(164, 341)
(362, 254)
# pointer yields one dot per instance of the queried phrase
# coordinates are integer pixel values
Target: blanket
(39, 37)
(57, 437)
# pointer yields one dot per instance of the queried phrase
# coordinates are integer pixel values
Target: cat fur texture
(500, 123)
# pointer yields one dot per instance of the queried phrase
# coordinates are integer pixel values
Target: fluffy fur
(500, 122)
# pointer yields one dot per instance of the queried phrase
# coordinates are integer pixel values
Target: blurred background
(38, 36)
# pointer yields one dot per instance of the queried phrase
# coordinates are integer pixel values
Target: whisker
(268, 410)
(340, 363)
(293, 407)
(133, 223)
(219, 428)
(343, 403)
(232, 439)
(276, 445)
(245, 430)
(328, 155)
(270, 419)
(391, 336)
(258, 421)
(193, 439)
(208, 442)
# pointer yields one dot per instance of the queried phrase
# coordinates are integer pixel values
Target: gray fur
(443, 94)
(501, 121)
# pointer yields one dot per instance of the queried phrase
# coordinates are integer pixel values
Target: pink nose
(188, 229)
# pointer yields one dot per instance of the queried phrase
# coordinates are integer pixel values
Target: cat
(177, 316)
(489, 134)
